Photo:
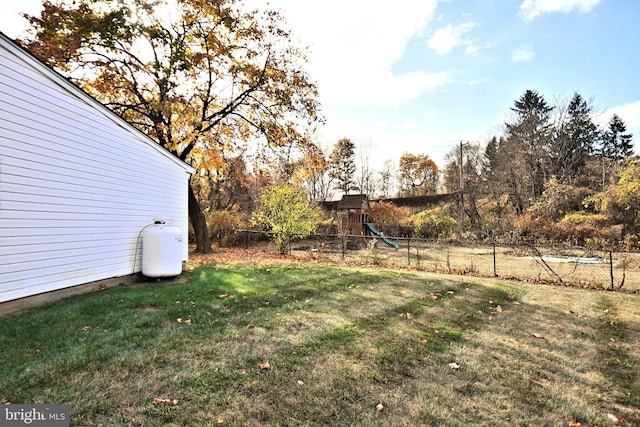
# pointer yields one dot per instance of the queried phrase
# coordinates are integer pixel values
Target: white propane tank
(161, 250)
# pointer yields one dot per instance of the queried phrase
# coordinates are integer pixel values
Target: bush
(222, 223)
(286, 212)
(433, 223)
(388, 217)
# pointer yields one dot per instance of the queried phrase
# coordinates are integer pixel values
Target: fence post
(611, 267)
(409, 251)
(495, 272)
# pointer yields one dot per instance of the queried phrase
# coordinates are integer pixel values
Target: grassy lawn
(310, 344)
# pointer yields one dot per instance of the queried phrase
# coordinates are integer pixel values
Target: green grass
(339, 340)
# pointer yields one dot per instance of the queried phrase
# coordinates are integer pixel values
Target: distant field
(522, 263)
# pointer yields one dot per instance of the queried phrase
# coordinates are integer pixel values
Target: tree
(286, 212)
(342, 165)
(469, 175)
(528, 137)
(311, 171)
(386, 179)
(417, 175)
(616, 144)
(574, 140)
(197, 76)
(365, 178)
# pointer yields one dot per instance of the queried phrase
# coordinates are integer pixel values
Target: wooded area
(225, 90)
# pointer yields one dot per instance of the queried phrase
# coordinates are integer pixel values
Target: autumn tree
(311, 172)
(417, 175)
(463, 173)
(287, 213)
(199, 77)
(342, 165)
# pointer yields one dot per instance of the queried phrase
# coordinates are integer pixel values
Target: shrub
(388, 217)
(222, 223)
(433, 223)
(287, 213)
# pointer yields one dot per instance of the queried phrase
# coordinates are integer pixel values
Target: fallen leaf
(85, 328)
(300, 382)
(294, 332)
(175, 402)
(38, 350)
(158, 401)
(409, 316)
(539, 336)
(454, 366)
(187, 322)
(179, 320)
(613, 418)
(266, 366)
(379, 407)
(572, 423)
(220, 420)
(223, 296)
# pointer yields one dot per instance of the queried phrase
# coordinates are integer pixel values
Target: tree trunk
(199, 224)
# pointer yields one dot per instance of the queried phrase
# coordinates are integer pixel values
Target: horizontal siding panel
(46, 247)
(69, 269)
(61, 257)
(52, 282)
(61, 147)
(23, 172)
(77, 186)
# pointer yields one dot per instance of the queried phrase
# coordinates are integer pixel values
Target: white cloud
(12, 24)
(355, 43)
(523, 53)
(445, 39)
(629, 113)
(530, 9)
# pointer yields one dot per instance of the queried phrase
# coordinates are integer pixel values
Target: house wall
(77, 183)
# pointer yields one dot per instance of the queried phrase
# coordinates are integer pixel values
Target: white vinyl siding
(77, 183)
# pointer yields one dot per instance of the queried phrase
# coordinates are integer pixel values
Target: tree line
(225, 89)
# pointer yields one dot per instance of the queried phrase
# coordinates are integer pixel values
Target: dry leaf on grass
(85, 328)
(572, 423)
(454, 366)
(158, 401)
(379, 407)
(539, 336)
(266, 366)
(614, 418)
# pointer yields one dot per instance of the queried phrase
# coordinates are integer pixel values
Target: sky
(420, 76)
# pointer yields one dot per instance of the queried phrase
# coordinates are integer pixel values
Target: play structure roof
(354, 201)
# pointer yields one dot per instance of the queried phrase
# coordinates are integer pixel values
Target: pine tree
(616, 144)
(342, 165)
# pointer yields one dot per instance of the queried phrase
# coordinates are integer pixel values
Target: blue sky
(420, 76)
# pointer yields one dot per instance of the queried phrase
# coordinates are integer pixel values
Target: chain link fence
(575, 266)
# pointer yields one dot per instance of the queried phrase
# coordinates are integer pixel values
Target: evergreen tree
(616, 144)
(342, 166)
(526, 148)
(574, 141)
